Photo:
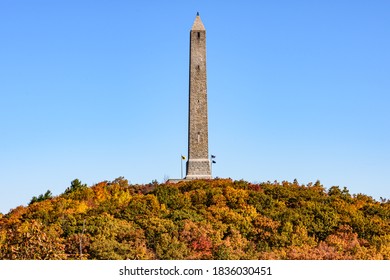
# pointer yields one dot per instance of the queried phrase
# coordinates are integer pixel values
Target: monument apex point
(198, 24)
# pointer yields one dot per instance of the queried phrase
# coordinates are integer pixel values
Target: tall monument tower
(198, 164)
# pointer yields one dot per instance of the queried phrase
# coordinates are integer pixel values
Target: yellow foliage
(81, 208)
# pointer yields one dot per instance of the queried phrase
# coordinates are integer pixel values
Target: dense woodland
(215, 219)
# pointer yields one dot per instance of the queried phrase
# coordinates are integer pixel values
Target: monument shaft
(198, 165)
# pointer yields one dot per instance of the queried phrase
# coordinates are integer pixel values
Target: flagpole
(212, 157)
(181, 164)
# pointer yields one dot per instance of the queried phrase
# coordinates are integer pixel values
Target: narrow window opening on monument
(198, 137)
(198, 35)
(198, 67)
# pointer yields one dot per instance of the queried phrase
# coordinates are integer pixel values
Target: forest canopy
(200, 219)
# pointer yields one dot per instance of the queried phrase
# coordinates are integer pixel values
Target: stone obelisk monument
(198, 164)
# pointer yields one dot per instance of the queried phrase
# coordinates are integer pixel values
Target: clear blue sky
(98, 89)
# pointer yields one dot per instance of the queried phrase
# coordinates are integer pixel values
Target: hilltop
(200, 219)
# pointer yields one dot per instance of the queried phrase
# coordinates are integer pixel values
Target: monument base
(198, 169)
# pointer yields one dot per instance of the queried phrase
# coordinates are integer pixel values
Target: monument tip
(198, 25)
